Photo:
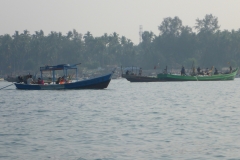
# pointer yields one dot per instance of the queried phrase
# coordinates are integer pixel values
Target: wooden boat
(217, 77)
(100, 82)
(138, 78)
(15, 79)
(163, 77)
(130, 76)
(11, 79)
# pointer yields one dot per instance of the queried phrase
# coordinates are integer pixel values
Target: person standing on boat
(216, 71)
(198, 70)
(230, 69)
(140, 71)
(183, 71)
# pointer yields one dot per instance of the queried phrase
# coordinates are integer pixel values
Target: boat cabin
(64, 67)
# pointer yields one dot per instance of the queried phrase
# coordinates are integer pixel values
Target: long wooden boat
(15, 79)
(138, 78)
(171, 77)
(218, 77)
(11, 79)
(100, 82)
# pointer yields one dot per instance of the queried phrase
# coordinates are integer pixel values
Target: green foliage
(176, 45)
(171, 26)
(208, 24)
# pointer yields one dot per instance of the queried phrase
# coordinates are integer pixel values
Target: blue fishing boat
(100, 82)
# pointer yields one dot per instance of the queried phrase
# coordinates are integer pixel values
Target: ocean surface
(126, 121)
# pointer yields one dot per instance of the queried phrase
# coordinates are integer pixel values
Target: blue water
(161, 120)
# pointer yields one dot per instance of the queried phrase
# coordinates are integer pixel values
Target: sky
(107, 16)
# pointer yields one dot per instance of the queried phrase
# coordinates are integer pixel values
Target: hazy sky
(108, 16)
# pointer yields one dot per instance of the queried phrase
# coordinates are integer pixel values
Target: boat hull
(93, 83)
(136, 78)
(219, 77)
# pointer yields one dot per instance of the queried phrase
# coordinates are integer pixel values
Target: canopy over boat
(64, 67)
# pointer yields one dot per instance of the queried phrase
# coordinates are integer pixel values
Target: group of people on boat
(202, 72)
(199, 71)
(62, 80)
(206, 72)
(131, 73)
(28, 79)
(31, 81)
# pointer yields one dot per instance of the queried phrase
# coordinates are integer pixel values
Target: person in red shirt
(40, 81)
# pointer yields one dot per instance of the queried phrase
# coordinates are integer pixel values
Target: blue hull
(93, 83)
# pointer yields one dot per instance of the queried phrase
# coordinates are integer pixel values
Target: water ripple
(186, 120)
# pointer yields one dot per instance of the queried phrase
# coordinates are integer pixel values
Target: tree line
(176, 45)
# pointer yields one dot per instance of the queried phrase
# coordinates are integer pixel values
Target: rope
(6, 86)
(195, 77)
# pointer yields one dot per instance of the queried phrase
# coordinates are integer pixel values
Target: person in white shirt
(30, 80)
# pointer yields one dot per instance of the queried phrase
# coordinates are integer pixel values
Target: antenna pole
(140, 33)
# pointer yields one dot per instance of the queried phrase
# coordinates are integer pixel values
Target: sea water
(157, 120)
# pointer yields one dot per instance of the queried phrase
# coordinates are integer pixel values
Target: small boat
(11, 79)
(100, 82)
(217, 77)
(137, 76)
